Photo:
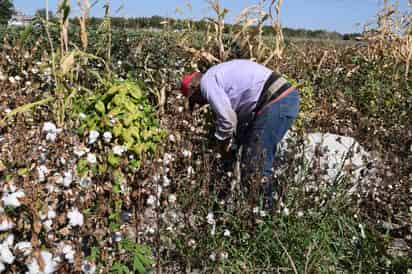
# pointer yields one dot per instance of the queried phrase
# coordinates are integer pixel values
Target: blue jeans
(262, 137)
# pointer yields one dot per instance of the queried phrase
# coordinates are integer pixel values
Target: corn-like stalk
(219, 25)
(392, 37)
(85, 12)
(108, 30)
(274, 13)
(64, 9)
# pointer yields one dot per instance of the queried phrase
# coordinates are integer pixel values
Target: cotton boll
(91, 158)
(212, 257)
(51, 214)
(6, 256)
(82, 116)
(167, 158)
(172, 198)
(51, 131)
(9, 240)
(88, 267)
(50, 264)
(187, 153)
(24, 247)
(210, 218)
(172, 138)
(190, 171)
(43, 171)
(49, 127)
(85, 182)
(166, 181)
(107, 136)
(119, 150)
(93, 136)
(75, 218)
(12, 80)
(12, 199)
(6, 225)
(69, 253)
(67, 179)
(48, 225)
(151, 200)
(80, 151)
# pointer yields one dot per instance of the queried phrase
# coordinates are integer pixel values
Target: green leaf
(135, 163)
(127, 135)
(128, 119)
(82, 167)
(130, 106)
(116, 111)
(139, 149)
(117, 130)
(100, 107)
(102, 168)
(137, 265)
(120, 99)
(113, 160)
(22, 171)
(136, 92)
(144, 257)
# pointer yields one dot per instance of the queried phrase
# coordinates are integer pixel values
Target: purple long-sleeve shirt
(232, 89)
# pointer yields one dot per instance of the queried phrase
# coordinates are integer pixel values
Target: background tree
(42, 13)
(6, 11)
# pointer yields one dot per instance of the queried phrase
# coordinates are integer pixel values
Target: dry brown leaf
(67, 63)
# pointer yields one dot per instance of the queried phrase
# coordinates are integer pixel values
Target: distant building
(20, 20)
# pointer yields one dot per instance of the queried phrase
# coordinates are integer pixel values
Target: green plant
(125, 111)
(139, 258)
(307, 103)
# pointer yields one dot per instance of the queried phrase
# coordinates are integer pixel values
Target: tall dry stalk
(64, 10)
(392, 37)
(219, 25)
(108, 30)
(249, 35)
(274, 13)
(84, 6)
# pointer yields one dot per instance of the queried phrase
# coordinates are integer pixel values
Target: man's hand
(224, 148)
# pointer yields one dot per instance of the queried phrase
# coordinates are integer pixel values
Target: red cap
(185, 84)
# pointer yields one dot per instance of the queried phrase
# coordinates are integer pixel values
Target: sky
(344, 16)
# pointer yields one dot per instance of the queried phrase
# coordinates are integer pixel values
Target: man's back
(236, 85)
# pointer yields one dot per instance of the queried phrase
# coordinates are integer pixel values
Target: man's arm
(226, 118)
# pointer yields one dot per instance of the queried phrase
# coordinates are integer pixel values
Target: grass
(329, 239)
